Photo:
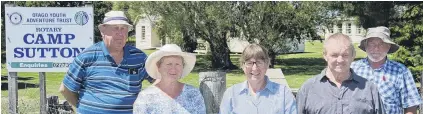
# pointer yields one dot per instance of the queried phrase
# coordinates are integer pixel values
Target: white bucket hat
(382, 33)
(115, 17)
(168, 50)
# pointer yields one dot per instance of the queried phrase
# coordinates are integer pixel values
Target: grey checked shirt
(357, 95)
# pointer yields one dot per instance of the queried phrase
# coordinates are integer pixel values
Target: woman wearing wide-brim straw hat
(167, 94)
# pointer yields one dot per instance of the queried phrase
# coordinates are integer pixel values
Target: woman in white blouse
(168, 95)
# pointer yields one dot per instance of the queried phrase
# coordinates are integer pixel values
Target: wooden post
(12, 81)
(13, 92)
(212, 87)
(421, 91)
(43, 101)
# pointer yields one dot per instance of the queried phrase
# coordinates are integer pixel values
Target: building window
(339, 26)
(359, 29)
(349, 28)
(143, 32)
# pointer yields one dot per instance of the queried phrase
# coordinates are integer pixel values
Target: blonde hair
(254, 51)
(161, 60)
(339, 37)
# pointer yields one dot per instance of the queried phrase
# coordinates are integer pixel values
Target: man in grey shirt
(337, 89)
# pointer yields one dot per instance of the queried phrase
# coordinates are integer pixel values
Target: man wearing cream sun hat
(168, 95)
(106, 78)
(394, 80)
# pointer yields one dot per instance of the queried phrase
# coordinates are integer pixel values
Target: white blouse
(152, 100)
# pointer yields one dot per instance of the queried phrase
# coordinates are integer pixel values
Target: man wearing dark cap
(106, 78)
(394, 80)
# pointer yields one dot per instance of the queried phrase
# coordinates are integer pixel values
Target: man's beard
(378, 59)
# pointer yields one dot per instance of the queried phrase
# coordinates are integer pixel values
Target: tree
(276, 25)
(178, 25)
(403, 18)
(370, 14)
(273, 24)
(407, 29)
(209, 21)
(212, 21)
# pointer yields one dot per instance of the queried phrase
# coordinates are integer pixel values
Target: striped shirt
(395, 83)
(104, 86)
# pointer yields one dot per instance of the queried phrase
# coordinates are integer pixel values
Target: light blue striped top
(104, 86)
(273, 99)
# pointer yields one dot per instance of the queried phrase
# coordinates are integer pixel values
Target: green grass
(296, 67)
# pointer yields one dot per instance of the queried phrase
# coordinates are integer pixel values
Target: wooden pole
(12, 85)
(212, 87)
(13, 92)
(43, 101)
(421, 91)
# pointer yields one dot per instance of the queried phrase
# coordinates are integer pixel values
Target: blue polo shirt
(104, 86)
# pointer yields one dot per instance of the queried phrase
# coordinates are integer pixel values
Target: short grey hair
(254, 51)
(339, 37)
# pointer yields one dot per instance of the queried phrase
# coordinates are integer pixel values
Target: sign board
(46, 39)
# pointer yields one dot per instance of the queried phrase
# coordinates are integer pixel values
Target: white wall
(354, 35)
(151, 38)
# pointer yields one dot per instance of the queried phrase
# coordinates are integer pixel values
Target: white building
(348, 27)
(146, 37)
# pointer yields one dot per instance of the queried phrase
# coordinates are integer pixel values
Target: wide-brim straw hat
(168, 50)
(116, 18)
(379, 32)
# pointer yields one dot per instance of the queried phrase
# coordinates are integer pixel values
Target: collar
(270, 86)
(354, 77)
(104, 48)
(107, 53)
(366, 63)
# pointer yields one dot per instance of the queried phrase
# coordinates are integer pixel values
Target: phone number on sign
(60, 65)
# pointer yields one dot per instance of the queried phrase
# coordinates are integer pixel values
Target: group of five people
(106, 78)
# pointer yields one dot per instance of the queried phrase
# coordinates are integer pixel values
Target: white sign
(46, 39)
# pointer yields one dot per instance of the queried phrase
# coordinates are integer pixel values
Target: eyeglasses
(258, 64)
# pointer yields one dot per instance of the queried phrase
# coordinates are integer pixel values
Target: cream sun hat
(115, 18)
(382, 33)
(168, 50)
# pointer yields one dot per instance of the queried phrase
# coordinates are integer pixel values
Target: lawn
(296, 67)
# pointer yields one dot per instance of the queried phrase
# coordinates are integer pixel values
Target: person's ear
(324, 55)
(102, 28)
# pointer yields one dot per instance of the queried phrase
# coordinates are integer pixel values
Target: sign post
(44, 39)
(43, 101)
(13, 92)
(421, 91)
